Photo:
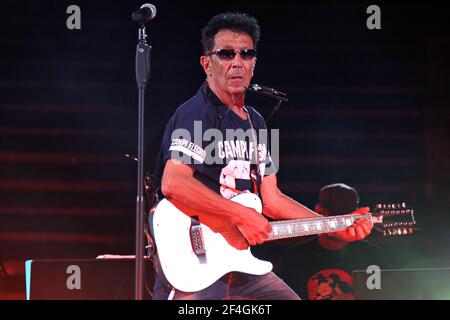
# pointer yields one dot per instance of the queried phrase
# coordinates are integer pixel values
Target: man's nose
(237, 60)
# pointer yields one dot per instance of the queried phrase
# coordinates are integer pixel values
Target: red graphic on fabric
(330, 284)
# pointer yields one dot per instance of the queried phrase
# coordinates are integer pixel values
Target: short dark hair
(235, 21)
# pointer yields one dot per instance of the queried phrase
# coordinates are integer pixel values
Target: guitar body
(189, 271)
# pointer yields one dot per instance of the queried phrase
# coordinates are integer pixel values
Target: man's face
(229, 76)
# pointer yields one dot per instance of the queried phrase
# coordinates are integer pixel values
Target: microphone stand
(274, 110)
(270, 93)
(143, 52)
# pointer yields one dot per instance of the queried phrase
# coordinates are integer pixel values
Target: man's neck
(234, 102)
(240, 111)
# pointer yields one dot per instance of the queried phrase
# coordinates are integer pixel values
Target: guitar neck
(304, 227)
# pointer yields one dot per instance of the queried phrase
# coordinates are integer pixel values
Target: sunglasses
(229, 54)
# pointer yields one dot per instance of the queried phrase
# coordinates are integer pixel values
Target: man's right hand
(253, 226)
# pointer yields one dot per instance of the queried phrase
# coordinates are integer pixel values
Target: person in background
(325, 263)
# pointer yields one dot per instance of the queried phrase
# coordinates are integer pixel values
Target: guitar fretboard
(304, 227)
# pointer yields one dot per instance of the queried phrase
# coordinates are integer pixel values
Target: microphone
(268, 92)
(144, 14)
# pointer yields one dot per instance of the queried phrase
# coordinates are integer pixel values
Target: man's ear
(206, 64)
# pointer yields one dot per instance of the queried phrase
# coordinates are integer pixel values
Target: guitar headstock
(394, 219)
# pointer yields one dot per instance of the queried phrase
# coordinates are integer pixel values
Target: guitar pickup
(196, 235)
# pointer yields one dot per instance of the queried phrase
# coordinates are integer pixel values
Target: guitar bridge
(196, 235)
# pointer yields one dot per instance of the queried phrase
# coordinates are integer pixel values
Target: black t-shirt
(205, 134)
(316, 273)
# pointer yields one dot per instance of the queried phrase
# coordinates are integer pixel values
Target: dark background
(367, 108)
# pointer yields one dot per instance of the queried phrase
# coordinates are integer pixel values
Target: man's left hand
(360, 229)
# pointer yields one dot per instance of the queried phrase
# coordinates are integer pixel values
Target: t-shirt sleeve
(182, 138)
(270, 167)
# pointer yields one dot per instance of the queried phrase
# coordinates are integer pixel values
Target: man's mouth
(236, 78)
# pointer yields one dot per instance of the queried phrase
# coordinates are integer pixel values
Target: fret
(275, 230)
(282, 229)
(332, 224)
(289, 229)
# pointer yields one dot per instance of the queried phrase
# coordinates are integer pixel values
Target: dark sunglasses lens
(248, 54)
(229, 54)
(226, 54)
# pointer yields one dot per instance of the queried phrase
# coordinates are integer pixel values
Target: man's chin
(237, 90)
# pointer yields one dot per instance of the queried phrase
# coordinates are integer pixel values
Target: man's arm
(178, 183)
(279, 206)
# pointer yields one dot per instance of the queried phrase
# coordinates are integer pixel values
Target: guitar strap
(258, 167)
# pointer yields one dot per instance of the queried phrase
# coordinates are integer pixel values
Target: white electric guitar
(193, 255)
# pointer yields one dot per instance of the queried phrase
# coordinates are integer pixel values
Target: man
(325, 266)
(192, 182)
